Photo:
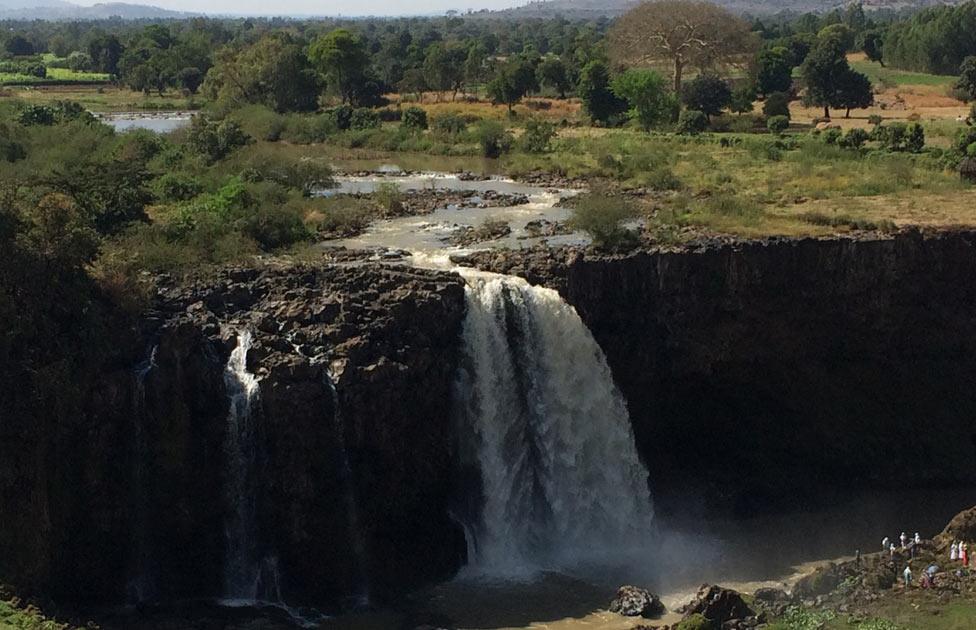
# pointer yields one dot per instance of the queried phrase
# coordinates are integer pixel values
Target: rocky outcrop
(760, 373)
(961, 527)
(352, 468)
(722, 607)
(632, 601)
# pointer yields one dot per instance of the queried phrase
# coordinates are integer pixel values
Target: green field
(892, 77)
(55, 76)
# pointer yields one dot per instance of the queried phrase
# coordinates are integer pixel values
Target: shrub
(854, 139)
(171, 187)
(692, 122)
(537, 136)
(449, 125)
(602, 217)
(215, 140)
(389, 198)
(341, 116)
(967, 137)
(777, 104)
(493, 138)
(414, 118)
(364, 118)
(707, 93)
(831, 135)
(875, 119)
(900, 137)
(778, 124)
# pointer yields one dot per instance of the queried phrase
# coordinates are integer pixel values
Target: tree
(273, 71)
(839, 32)
(872, 43)
(854, 91)
(514, 80)
(110, 194)
(774, 71)
(681, 33)
(743, 99)
(708, 94)
(444, 67)
(554, 74)
(106, 51)
(967, 77)
(61, 233)
(19, 46)
(190, 79)
(600, 103)
(823, 72)
(474, 64)
(646, 93)
(341, 59)
(777, 104)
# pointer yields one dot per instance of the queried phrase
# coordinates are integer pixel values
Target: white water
(242, 567)
(544, 424)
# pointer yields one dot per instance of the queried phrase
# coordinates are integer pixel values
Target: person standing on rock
(891, 549)
(953, 552)
(884, 543)
(904, 539)
(964, 554)
(918, 539)
(908, 575)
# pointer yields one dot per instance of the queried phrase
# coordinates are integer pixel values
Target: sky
(320, 7)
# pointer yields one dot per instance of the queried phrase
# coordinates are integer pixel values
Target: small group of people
(910, 544)
(927, 579)
(959, 552)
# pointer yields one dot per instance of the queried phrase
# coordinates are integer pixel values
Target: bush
(449, 125)
(341, 116)
(777, 104)
(875, 119)
(414, 118)
(692, 122)
(707, 93)
(602, 217)
(215, 140)
(967, 137)
(854, 139)
(493, 138)
(900, 137)
(364, 118)
(831, 135)
(537, 136)
(778, 124)
(172, 187)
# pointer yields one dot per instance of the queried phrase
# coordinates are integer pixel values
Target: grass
(99, 98)
(892, 77)
(55, 76)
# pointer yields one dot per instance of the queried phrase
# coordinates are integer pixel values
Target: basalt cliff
(757, 375)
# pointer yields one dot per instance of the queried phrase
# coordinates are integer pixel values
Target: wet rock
(632, 601)
(718, 605)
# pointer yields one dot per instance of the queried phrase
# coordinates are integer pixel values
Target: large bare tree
(681, 33)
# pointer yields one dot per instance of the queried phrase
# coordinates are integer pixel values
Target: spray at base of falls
(140, 587)
(541, 420)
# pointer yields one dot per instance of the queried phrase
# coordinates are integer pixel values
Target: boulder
(820, 582)
(718, 605)
(632, 601)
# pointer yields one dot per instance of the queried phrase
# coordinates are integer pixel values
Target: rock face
(632, 601)
(759, 373)
(961, 527)
(352, 472)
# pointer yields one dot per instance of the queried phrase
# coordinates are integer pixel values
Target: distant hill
(592, 9)
(61, 10)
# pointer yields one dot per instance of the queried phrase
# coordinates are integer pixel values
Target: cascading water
(543, 423)
(140, 586)
(247, 576)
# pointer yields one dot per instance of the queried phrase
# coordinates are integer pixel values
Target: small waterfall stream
(248, 576)
(140, 586)
(543, 423)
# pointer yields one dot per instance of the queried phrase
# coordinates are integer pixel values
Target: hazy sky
(317, 7)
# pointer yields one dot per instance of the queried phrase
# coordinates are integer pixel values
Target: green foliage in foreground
(602, 218)
(29, 619)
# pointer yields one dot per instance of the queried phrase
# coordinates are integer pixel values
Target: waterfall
(247, 575)
(140, 586)
(548, 432)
